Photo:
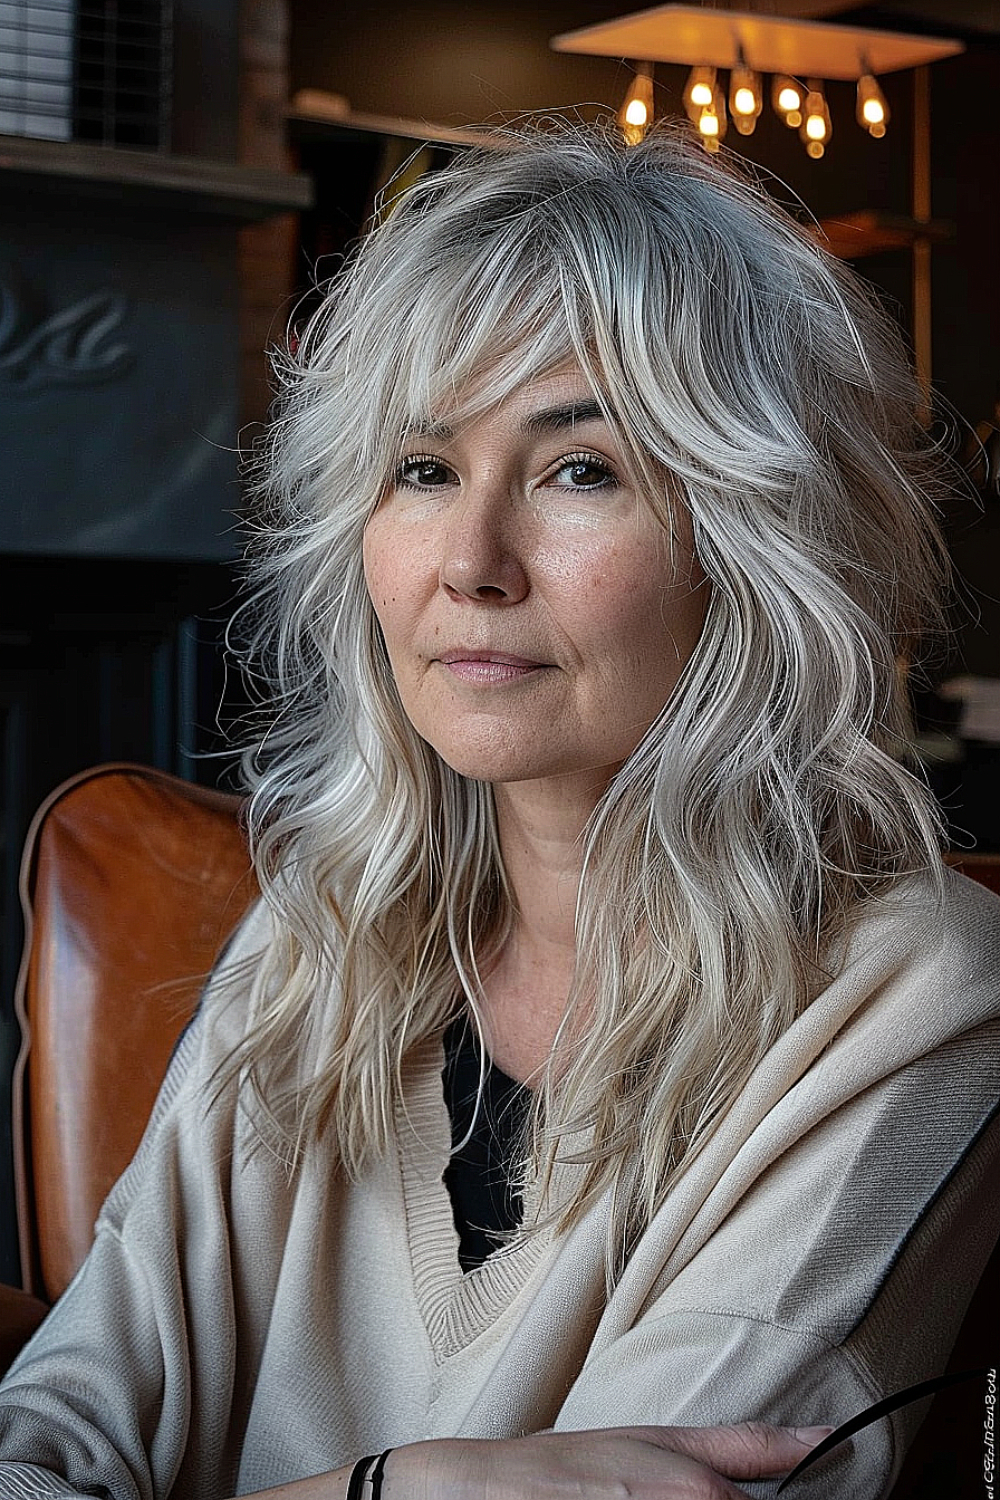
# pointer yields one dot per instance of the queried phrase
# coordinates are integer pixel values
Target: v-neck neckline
(456, 1306)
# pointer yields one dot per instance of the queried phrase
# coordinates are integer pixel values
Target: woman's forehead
(553, 398)
(557, 397)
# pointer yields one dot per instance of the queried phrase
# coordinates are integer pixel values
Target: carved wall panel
(118, 385)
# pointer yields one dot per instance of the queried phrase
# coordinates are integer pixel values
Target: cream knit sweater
(232, 1329)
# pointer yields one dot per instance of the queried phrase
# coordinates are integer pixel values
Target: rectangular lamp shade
(691, 35)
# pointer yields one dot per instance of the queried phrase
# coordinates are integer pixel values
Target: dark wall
(450, 61)
(118, 390)
(206, 79)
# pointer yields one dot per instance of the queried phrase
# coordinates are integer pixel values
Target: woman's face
(534, 615)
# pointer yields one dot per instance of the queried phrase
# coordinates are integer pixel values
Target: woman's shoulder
(970, 922)
(929, 948)
(225, 1010)
(943, 921)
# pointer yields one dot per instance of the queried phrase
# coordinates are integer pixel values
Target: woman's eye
(585, 471)
(423, 473)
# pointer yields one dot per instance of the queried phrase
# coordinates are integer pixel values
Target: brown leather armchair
(131, 881)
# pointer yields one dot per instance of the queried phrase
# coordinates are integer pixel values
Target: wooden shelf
(856, 235)
(333, 114)
(223, 191)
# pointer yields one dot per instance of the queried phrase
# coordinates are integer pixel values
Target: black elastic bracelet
(357, 1478)
(376, 1475)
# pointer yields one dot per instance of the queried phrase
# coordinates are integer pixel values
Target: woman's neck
(541, 840)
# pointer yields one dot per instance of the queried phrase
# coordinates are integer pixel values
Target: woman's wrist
(439, 1469)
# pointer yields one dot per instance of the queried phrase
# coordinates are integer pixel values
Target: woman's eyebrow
(421, 429)
(554, 418)
(548, 419)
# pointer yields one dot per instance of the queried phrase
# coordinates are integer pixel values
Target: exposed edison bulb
(787, 98)
(699, 91)
(745, 97)
(712, 121)
(872, 109)
(636, 113)
(817, 126)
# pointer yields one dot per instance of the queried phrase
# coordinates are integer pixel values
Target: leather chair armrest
(20, 1315)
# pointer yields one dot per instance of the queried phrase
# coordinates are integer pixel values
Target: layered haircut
(749, 377)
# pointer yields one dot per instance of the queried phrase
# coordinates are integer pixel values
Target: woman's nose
(482, 555)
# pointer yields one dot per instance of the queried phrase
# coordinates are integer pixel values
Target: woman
(594, 532)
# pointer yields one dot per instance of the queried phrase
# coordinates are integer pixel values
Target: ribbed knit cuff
(29, 1482)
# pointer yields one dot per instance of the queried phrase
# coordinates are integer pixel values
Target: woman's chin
(496, 769)
(567, 778)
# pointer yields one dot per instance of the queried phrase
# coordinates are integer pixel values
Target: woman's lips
(489, 666)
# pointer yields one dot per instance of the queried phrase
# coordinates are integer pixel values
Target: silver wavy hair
(747, 372)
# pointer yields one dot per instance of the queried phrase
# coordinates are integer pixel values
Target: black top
(478, 1177)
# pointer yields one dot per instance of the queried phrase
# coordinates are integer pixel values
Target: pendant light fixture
(636, 113)
(872, 109)
(699, 91)
(729, 51)
(746, 97)
(712, 121)
(787, 99)
(817, 126)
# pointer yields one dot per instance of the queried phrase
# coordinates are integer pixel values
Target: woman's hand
(644, 1463)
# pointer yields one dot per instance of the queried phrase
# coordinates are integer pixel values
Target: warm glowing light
(872, 109)
(712, 122)
(745, 97)
(636, 113)
(817, 126)
(786, 99)
(699, 91)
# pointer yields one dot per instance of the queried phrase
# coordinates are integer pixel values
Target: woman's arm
(647, 1463)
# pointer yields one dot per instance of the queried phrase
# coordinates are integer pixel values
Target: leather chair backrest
(131, 882)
